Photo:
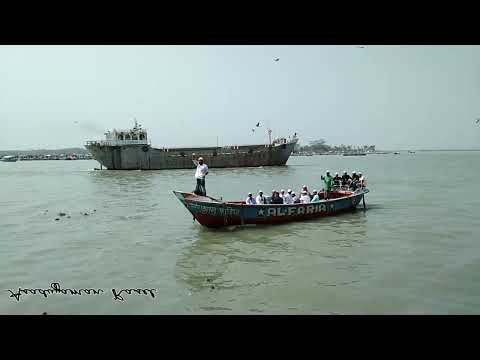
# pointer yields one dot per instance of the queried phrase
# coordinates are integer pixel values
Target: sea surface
(415, 250)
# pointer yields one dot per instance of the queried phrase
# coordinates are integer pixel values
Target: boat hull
(145, 157)
(214, 213)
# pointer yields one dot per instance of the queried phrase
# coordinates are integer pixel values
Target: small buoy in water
(85, 214)
(57, 219)
(61, 214)
(212, 287)
(94, 210)
(209, 280)
(68, 217)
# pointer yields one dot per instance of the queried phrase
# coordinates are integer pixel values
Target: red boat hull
(215, 213)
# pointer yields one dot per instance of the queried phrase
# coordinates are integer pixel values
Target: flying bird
(258, 124)
(253, 130)
(276, 59)
(478, 120)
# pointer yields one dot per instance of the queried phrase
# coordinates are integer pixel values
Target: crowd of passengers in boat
(330, 183)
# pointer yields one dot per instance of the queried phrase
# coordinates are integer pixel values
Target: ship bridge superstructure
(135, 136)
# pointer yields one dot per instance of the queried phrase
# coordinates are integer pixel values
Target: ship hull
(145, 157)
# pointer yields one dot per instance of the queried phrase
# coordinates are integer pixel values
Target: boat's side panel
(218, 215)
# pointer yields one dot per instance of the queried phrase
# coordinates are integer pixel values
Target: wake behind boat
(214, 213)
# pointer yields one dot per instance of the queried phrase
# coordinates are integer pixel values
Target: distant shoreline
(78, 150)
(75, 150)
(439, 150)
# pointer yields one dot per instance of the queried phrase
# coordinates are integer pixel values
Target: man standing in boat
(202, 171)
(328, 181)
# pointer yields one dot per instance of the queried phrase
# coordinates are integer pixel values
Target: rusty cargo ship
(131, 150)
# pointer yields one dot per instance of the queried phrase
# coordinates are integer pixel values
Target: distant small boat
(396, 153)
(9, 158)
(354, 154)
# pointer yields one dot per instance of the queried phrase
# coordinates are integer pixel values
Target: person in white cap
(200, 173)
(287, 198)
(282, 193)
(362, 181)
(260, 198)
(304, 188)
(316, 198)
(305, 198)
(295, 199)
(250, 200)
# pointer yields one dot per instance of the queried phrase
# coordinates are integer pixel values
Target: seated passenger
(260, 198)
(337, 180)
(282, 193)
(287, 199)
(276, 199)
(345, 178)
(305, 198)
(316, 198)
(355, 176)
(269, 198)
(295, 200)
(353, 184)
(304, 188)
(250, 200)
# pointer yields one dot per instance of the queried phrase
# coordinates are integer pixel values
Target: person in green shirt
(328, 181)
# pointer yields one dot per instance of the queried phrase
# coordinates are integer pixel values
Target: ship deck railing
(117, 142)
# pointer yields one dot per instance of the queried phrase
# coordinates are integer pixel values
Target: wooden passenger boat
(215, 213)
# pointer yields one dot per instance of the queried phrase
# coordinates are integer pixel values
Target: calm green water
(416, 250)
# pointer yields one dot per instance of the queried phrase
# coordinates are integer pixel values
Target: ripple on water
(413, 251)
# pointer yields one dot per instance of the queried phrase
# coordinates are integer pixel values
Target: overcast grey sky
(397, 97)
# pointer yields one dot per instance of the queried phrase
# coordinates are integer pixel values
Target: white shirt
(261, 199)
(305, 199)
(316, 198)
(250, 201)
(201, 171)
(287, 199)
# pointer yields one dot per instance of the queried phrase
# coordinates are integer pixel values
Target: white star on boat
(261, 212)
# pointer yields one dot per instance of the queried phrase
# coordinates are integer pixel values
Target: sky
(395, 97)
